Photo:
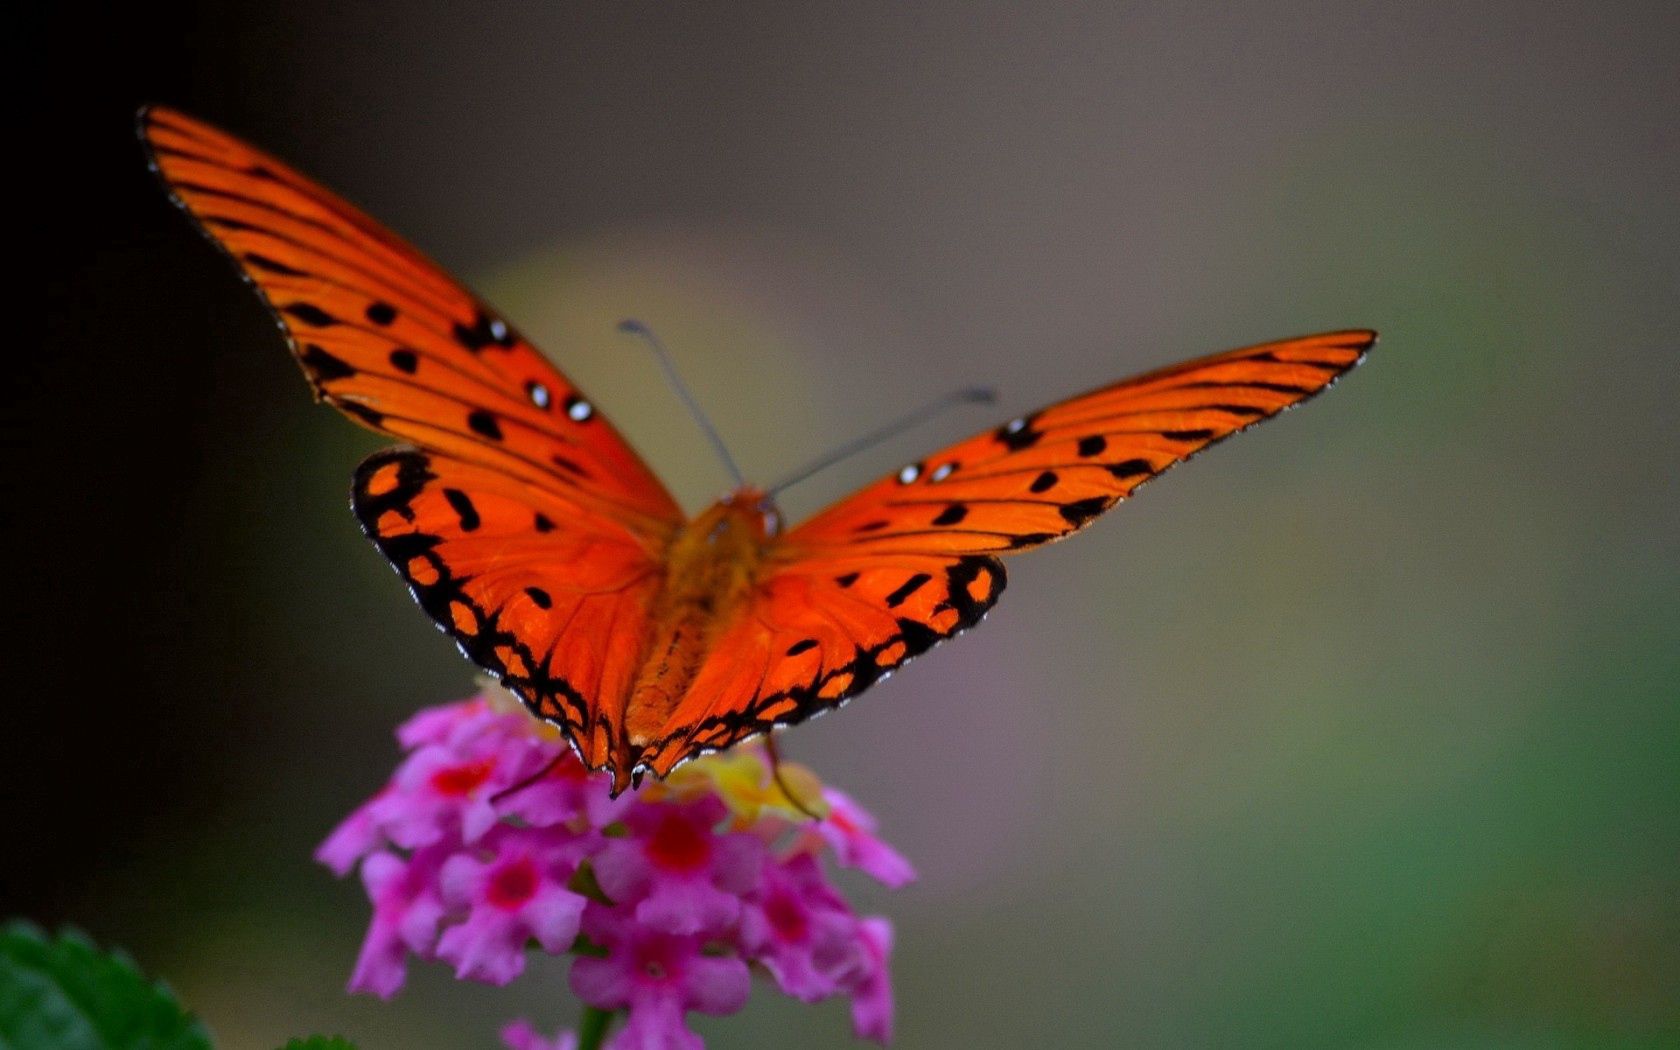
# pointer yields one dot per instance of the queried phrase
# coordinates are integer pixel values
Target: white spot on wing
(909, 473)
(539, 395)
(580, 410)
(943, 471)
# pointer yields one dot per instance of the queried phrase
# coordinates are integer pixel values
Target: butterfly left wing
(913, 559)
(553, 603)
(387, 337)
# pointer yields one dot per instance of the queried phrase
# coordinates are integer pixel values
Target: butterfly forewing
(388, 338)
(1045, 475)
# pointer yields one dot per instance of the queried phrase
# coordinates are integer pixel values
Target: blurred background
(1361, 731)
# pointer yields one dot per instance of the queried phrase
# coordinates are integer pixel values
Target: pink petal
(353, 839)
(433, 725)
(718, 984)
(655, 1026)
(600, 982)
(521, 1036)
(489, 946)
(622, 871)
(552, 917)
(872, 998)
(380, 967)
(686, 907)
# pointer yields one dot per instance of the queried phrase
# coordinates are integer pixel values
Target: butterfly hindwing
(551, 601)
(388, 338)
(820, 631)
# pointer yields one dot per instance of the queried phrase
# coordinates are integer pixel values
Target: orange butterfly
(532, 533)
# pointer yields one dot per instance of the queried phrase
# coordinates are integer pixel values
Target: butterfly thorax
(710, 568)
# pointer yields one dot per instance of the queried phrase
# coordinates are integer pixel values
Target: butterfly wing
(388, 338)
(913, 559)
(552, 602)
(523, 523)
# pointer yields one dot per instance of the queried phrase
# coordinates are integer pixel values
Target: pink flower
(521, 1036)
(871, 984)
(492, 838)
(850, 832)
(681, 873)
(356, 837)
(406, 913)
(516, 896)
(800, 928)
(450, 787)
(659, 976)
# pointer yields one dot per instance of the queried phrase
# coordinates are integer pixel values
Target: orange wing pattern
(1043, 476)
(912, 559)
(527, 528)
(533, 535)
(552, 602)
(389, 339)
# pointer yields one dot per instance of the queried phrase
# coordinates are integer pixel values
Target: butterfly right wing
(888, 572)
(551, 601)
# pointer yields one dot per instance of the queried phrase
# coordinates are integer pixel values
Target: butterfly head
(753, 508)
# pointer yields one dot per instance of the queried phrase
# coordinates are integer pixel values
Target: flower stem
(592, 1027)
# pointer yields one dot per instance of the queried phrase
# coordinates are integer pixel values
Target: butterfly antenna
(966, 396)
(637, 328)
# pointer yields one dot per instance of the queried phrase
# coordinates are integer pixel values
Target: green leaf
(65, 994)
(320, 1042)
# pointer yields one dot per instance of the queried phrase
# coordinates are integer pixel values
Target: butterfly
(528, 529)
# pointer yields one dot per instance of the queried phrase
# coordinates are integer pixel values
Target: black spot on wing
(846, 579)
(371, 416)
(539, 597)
(381, 314)
(309, 314)
(1092, 445)
(804, 645)
(543, 523)
(263, 262)
(484, 423)
(1131, 468)
(464, 509)
(405, 361)
(1019, 434)
(324, 366)
(951, 515)
(1186, 435)
(484, 332)
(1081, 511)
(1044, 482)
(909, 587)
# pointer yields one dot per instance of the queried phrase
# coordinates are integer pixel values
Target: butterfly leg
(776, 775)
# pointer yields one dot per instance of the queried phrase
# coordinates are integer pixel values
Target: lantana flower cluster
(492, 836)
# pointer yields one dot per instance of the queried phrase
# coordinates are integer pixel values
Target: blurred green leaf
(66, 994)
(320, 1042)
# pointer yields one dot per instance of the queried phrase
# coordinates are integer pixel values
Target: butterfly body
(533, 535)
(712, 568)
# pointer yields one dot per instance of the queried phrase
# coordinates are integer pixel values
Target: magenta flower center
(677, 845)
(654, 958)
(787, 918)
(511, 885)
(461, 780)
